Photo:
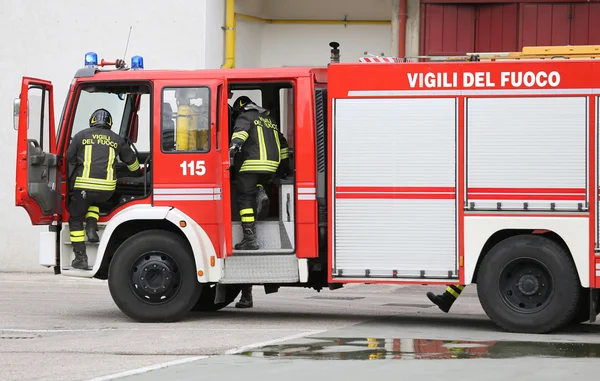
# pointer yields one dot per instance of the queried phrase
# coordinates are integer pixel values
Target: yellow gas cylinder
(201, 129)
(202, 133)
(186, 131)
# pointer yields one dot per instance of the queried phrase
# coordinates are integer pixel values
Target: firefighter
(92, 153)
(445, 301)
(254, 128)
(257, 137)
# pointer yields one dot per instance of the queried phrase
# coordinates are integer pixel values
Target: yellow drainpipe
(322, 22)
(229, 35)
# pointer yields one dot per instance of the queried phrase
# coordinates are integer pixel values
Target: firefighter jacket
(93, 152)
(262, 145)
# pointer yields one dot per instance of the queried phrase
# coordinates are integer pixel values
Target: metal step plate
(273, 236)
(261, 269)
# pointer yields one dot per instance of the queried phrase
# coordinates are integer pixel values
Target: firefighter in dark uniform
(257, 137)
(92, 153)
(263, 148)
(445, 301)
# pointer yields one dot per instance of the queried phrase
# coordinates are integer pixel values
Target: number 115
(196, 168)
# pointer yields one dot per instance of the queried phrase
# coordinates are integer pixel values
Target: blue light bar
(91, 59)
(137, 62)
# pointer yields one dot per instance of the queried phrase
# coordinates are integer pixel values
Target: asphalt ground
(57, 328)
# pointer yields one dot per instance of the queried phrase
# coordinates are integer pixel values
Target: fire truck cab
(402, 172)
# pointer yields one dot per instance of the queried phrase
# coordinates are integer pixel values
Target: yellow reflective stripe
(260, 165)
(95, 187)
(278, 144)
(262, 147)
(460, 287)
(284, 153)
(452, 292)
(248, 219)
(240, 135)
(134, 166)
(111, 161)
(95, 184)
(93, 215)
(95, 181)
(246, 211)
(77, 236)
(87, 161)
(270, 163)
(94, 209)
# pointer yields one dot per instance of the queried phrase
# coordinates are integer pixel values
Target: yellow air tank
(185, 138)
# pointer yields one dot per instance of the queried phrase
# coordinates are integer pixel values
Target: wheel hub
(528, 285)
(155, 277)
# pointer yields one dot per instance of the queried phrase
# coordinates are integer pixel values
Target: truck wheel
(528, 284)
(206, 302)
(152, 277)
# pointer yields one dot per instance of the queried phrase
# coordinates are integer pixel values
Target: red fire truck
(480, 170)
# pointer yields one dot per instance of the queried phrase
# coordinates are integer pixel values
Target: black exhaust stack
(335, 52)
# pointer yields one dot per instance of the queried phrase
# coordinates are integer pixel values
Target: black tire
(206, 302)
(528, 284)
(168, 264)
(583, 308)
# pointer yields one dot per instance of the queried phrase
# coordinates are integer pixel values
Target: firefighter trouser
(246, 189)
(83, 205)
(454, 290)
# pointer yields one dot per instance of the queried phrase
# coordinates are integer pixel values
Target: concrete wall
(49, 40)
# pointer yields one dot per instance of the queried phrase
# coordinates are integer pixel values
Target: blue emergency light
(137, 62)
(91, 59)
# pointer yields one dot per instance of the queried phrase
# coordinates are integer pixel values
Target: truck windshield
(90, 102)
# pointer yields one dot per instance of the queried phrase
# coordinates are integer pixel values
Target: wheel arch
(139, 218)
(504, 234)
(482, 233)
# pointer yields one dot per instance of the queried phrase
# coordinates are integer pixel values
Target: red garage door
(456, 29)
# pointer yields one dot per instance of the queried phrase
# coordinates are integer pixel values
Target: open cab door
(36, 176)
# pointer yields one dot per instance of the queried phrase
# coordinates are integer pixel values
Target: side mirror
(16, 109)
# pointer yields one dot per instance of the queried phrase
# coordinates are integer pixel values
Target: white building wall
(48, 39)
(308, 44)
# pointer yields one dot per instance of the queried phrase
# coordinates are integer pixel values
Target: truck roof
(319, 73)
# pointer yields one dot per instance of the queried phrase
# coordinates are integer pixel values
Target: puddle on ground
(315, 348)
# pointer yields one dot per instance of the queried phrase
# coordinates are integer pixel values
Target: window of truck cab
(185, 119)
(120, 100)
(130, 105)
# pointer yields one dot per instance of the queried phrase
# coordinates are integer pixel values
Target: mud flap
(594, 296)
(221, 293)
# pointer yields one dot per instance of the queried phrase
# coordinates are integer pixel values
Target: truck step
(69, 268)
(263, 252)
(261, 269)
(272, 236)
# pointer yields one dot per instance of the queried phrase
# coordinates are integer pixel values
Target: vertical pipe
(229, 35)
(395, 28)
(402, 31)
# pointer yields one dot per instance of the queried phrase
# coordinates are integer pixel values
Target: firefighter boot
(262, 203)
(80, 261)
(91, 227)
(249, 242)
(444, 301)
(246, 299)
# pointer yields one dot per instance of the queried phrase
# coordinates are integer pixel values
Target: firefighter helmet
(101, 118)
(244, 103)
